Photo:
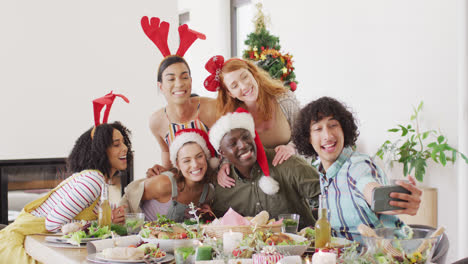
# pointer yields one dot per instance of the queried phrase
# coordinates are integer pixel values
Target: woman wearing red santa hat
(164, 194)
(175, 82)
(240, 83)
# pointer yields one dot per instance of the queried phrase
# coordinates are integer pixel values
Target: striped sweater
(70, 199)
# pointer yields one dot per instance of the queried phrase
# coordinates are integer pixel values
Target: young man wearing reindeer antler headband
(175, 82)
(285, 188)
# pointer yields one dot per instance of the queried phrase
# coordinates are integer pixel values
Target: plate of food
(336, 242)
(145, 252)
(168, 235)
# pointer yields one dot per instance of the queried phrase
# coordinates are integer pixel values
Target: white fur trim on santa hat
(183, 138)
(268, 185)
(229, 122)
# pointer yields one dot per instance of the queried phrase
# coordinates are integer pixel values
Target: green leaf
(464, 157)
(454, 156)
(432, 145)
(413, 117)
(426, 134)
(420, 106)
(405, 169)
(393, 130)
(440, 139)
(404, 131)
(420, 165)
(443, 159)
(434, 155)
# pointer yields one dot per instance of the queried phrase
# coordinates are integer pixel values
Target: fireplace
(32, 177)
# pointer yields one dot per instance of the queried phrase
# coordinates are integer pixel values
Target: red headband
(158, 31)
(214, 66)
(107, 100)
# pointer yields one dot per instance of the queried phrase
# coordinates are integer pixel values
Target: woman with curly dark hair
(327, 130)
(98, 154)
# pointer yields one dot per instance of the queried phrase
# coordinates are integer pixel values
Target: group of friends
(244, 150)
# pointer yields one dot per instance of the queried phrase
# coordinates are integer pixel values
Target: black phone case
(381, 198)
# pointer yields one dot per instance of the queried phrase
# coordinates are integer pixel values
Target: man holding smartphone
(327, 130)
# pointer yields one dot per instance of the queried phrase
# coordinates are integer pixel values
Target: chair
(2, 226)
(440, 253)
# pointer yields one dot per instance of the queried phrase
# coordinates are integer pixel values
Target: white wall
(214, 23)
(56, 56)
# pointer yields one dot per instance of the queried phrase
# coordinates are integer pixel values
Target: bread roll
(261, 218)
(71, 227)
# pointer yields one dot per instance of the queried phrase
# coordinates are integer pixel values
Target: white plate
(63, 245)
(54, 239)
(97, 257)
(168, 245)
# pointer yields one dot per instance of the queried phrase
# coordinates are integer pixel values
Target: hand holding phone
(381, 198)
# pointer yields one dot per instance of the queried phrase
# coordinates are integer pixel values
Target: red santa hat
(241, 118)
(197, 136)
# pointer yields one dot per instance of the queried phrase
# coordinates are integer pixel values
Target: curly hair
(268, 90)
(91, 153)
(168, 61)
(209, 175)
(316, 111)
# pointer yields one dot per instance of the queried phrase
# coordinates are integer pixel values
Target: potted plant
(414, 147)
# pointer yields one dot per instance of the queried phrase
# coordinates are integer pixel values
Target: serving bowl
(400, 244)
(291, 250)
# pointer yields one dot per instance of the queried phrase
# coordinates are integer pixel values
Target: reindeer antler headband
(99, 103)
(158, 31)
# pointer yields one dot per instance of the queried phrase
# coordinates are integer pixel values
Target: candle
(231, 240)
(204, 253)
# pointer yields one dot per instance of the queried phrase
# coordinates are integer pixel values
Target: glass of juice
(290, 223)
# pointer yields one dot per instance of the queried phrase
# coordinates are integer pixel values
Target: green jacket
(298, 183)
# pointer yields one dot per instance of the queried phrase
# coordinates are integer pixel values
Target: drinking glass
(184, 255)
(290, 223)
(133, 222)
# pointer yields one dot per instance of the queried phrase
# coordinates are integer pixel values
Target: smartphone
(381, 198)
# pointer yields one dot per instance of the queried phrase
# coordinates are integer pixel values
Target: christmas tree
(264, 51)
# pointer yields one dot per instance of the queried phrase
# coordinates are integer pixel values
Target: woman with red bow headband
(175, 83)
(240, 83)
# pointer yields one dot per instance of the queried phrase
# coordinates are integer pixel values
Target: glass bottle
(322, 226)
(105, 211)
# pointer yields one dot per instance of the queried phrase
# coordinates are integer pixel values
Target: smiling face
(242, 85)
(327, 139)
(117, 153)
(191, 161)
(239, 148)
(176, 83)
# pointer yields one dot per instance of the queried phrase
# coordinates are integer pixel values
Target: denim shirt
(343, 185)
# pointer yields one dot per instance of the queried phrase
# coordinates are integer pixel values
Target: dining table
(39, 249)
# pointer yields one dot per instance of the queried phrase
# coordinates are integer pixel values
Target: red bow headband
(214, 66)
(158, 31)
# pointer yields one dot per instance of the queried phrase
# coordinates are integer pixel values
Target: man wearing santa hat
(285, 188)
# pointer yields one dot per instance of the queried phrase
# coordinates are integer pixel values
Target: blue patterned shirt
(343, 185)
